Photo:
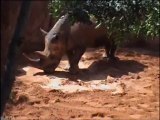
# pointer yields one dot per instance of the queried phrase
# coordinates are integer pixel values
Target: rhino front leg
(74, 57)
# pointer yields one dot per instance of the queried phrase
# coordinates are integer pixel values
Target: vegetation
(139, 17)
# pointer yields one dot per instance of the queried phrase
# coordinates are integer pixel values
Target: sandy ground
(135, 97)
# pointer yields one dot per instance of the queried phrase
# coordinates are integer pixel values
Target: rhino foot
(111, 59)
(48, 72)
(114, 58)
(74, 71)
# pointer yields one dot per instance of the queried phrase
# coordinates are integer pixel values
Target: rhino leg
(74, 57)
(110, 51)
(113, 50)
(107, 49)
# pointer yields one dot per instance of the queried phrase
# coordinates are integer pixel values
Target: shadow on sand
(99, 70)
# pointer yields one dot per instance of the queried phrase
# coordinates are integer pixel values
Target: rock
(32, 102)
(134, 76)
(56, 100)
(110, 79)
(137, 77)
(120, 89)
(22, 99)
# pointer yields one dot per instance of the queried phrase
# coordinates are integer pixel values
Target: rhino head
(55, 46)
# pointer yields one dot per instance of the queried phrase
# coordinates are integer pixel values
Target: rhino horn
(31, 59)
(40, 54)
(35, 62)
(43, 31)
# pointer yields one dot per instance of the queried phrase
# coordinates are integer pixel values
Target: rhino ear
(43, 31)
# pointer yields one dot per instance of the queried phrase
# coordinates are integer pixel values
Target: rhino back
(87, 35)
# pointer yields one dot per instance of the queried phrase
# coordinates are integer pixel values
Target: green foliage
(140, 17)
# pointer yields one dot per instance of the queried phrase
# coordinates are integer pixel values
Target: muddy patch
(124, 90)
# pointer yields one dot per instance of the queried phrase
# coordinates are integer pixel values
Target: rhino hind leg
(74, 57)
(107, 49)
(113, 51)
(110, 52)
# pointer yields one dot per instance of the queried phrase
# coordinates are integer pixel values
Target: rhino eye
(55, 39)
(41, 61)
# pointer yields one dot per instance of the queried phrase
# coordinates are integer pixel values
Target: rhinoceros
(72, 40)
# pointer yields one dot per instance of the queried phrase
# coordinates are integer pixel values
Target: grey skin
(72, 40)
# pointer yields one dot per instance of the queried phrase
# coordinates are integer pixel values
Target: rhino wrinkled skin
(72, 40)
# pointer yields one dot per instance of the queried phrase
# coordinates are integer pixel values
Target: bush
(139, 17)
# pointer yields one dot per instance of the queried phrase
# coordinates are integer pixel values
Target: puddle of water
(71, 86)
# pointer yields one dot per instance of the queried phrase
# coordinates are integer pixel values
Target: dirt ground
(137, 71)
